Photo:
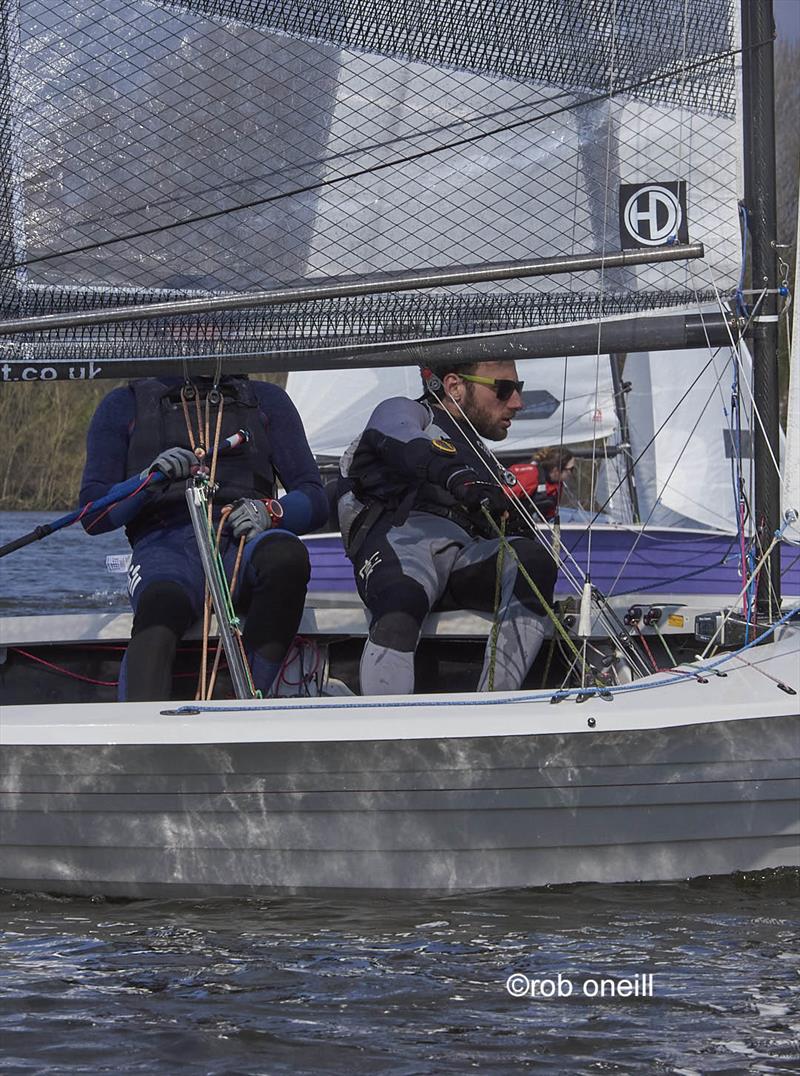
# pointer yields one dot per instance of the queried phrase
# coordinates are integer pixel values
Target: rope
(228, 612)
(62, 670)
(664, 643)
(607, 622)
(199, 443)
(674, 467)
(234, 579)
(498, 587)
(202, 692)
(544, 603)
(195, 443)
(658, 681)
(217, 435)
(535, 526)
(729, 614)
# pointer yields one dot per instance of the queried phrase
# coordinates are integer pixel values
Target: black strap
(362, 525)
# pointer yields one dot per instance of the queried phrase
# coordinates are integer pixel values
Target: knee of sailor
(163, 603)
(402, 601)
(280, 557)
(396, 631)
(540, 565)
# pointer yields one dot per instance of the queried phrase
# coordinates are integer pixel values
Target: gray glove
(249, 518)
(173, 463)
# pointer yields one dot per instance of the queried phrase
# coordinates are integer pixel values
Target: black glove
(173, 463)
(470, 489)
(250, 518)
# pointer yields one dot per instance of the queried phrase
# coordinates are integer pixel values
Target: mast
(758, 30)
(621, 389)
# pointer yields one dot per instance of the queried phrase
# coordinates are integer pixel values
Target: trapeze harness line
(199, 495)
(227, 622)
(587, 591)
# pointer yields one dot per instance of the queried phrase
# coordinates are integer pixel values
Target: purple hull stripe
(662, 562)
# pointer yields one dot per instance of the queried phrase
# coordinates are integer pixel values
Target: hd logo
(652, 214)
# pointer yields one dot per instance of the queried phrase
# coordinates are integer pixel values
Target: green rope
(229, 612)
(549, 659)
(498, 587)
(544, 604)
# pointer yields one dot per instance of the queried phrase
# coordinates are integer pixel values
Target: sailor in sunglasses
(413, 491)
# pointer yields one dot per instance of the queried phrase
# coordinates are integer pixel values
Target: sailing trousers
(430, 563)
(166, 585)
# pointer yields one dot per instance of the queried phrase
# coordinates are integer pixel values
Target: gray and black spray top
(406, 455)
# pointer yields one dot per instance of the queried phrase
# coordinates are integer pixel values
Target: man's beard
(487, 424)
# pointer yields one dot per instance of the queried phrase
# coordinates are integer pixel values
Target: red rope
(643, 641)
(296, 648)
(61, 669)
(88, 679)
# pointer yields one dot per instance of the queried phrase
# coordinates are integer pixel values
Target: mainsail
(165, 149)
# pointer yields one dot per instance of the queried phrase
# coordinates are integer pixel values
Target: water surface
(62, 573)
(384, 985)
(406, 986)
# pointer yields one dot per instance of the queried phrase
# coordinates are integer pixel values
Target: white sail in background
(336, 404)
(566, 400)
(679, 410)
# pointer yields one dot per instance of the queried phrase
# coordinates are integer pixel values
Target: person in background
(162, 426)
(414, 492)
(542, 479)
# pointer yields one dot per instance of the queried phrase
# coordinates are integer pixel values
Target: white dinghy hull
(431, 793)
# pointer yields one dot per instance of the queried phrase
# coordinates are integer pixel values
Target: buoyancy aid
(159, 423)
(368, 489)
(545, 495)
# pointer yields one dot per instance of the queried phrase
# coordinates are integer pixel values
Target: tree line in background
(42, 443)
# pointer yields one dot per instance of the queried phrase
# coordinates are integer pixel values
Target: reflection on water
(63, 573)
(412, 986)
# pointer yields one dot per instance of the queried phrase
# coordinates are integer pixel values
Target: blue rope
(677, 678)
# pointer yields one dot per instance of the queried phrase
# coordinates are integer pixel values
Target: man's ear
(453, 386)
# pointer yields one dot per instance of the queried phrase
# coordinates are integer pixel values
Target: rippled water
(411, 986)
(414, 986)
(63, 573)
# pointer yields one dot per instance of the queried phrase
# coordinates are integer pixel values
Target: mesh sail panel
(151, 151)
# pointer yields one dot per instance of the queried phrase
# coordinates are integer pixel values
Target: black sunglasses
(504, 387)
